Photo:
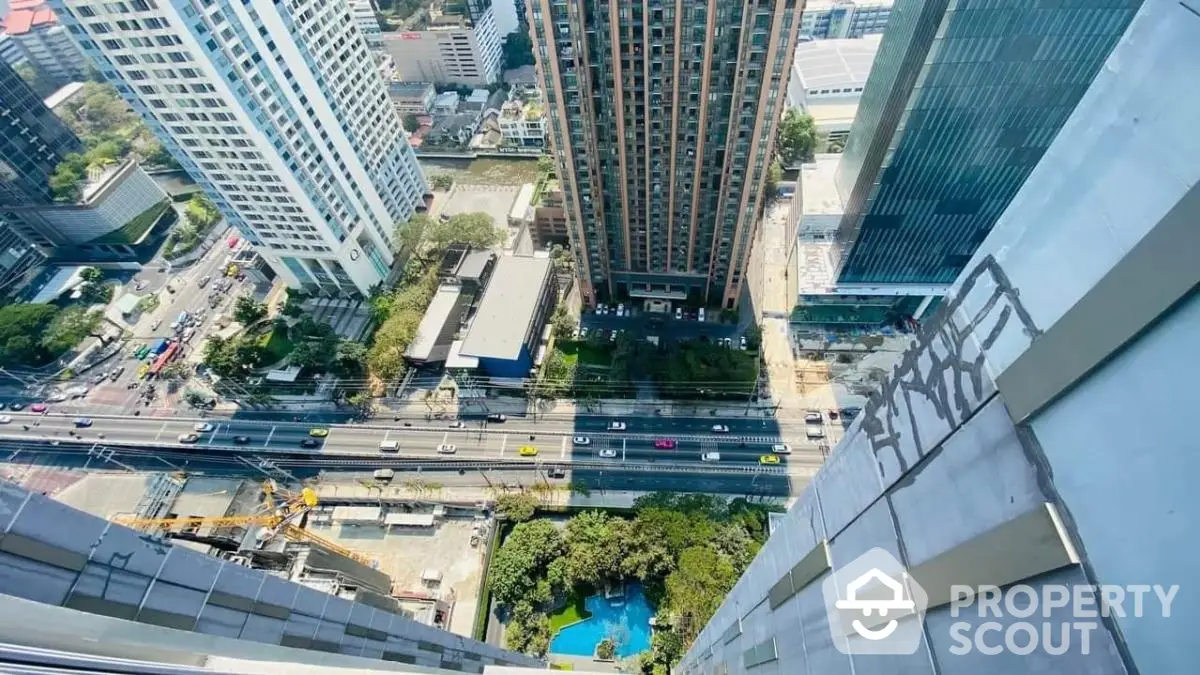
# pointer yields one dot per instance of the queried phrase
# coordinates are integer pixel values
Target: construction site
(385, 555)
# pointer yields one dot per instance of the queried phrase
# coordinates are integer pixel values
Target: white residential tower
(277, 110)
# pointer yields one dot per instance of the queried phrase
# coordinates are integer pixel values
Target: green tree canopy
(522, 558)
(517, 507)
(518, 49)
(697, 588)
(246, 310)
(564, 323)
(70, 327)
(797, 136)
(350, 360)
(20, 328)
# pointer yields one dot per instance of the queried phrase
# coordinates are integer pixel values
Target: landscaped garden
(590, 588)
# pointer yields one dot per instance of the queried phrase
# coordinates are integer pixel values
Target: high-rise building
(451, 44)
(278, 111)
(834, 19)
(74, 579)
(959, 107)
(42, 42)
(663, 120)
(998, 453)
(365, 18)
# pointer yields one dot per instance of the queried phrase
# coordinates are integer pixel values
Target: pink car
(664, 443)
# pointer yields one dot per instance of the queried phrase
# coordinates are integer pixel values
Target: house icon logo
(874, 606)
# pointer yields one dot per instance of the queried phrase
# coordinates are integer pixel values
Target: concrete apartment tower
(663, 119)
(278, 111)
(997, 454)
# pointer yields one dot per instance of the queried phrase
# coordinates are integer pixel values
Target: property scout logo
(875, 607)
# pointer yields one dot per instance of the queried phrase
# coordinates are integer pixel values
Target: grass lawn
(573, 612)
(585, 354)
(277, 344)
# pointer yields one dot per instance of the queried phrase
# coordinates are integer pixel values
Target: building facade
(412, 98)
(279, 112)
(523, 122)
(837, 19)
(34, 30)
(33, 144)
(663, 125)
(450, 48)
(363, 12)
(959, 107)
(827, 80)
(994, 440)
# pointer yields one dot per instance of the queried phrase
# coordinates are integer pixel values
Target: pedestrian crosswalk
(707, 438)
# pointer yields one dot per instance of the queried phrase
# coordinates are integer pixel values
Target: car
(204, 280)
(3, 406)
(556, 473)
(710, 457)
(664, 443)
(309, 443)
(241, 440)
(36, 407)
(5, 419)
(616, 426)
(583, 333)
(55, 398)
(458, 425)
(813, 417)
(202, 427)
(318, 432)
(527, 451)
(720, 429)
(601, 308)
(156, 325)
(678, 313)
(781, 449)
(700, 314)
(848, 413)
(83, 422)
(613, 337)
(608, 453)
(496, 417)
(742, 340)
(188, 438)
(447, 449)
(833, 414)
(581, 440)
(814, 432)
(621, 309)
(768, 459)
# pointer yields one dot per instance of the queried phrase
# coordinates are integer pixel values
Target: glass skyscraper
(962, 102)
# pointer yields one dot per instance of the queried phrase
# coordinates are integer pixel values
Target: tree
(294, 305)
(564, 323)
(350, 359)
(201, 213)
(528, 633)
(410, 122)
(315, 343)
(410, 233)
(247, 311)
(517, 507)
(518, 49)
(477, 229)
(441, 181)
(232, 357)
(176, 370)
(523, 558)
(771, 183)
(797, 136)
(66, 183)
(20, 326)
(606, 650)
(753, 337)
(70, 327)
(91, 274)
(696, 589)
(595, 547)
(558, 376)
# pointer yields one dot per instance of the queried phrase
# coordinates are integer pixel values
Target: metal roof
(440, 311)
(507, 308)
(836, 64)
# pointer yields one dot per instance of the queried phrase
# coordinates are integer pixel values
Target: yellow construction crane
(279, 518)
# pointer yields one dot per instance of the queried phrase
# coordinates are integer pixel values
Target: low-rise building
(445, 103)
(70, 93)
(452, 131)
(549, 225)
(449, 47)
(463, 273)
(42, 41)
(413, 98)
(523, 122)
(827, 81)
(507, 327)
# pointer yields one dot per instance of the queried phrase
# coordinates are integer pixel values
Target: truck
(160, 346)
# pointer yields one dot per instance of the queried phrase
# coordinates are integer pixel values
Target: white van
(389, 446)
(384, 474)
(814, 432)
(710, 457)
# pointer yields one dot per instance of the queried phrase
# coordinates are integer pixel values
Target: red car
(38, 407)
(664, 443)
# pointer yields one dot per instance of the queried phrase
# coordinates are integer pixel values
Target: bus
(160, 346)
(164, 358)
(141, 352)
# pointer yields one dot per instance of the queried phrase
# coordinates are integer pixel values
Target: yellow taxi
(527, 451)
(318, 433)
(768, 459)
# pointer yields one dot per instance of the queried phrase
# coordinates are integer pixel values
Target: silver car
(607, 453)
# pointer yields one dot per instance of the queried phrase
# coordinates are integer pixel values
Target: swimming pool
(628, 624)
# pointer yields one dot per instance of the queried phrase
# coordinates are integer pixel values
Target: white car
(188, 438)
(720, 429)
(710, 457)
(781, 449)
(458, 425)
(581, 440)
(607, 453)
(202, 427)
(616, 426)
(813, 417)
(814, 432)
(678, 313)
(5, 419)
(447, 449)
(56, 398)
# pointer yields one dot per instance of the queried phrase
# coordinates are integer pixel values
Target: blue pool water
(627, 624)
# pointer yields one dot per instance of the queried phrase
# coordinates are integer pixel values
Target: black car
(241, 440)
(496, 417)
(309, 443)
(16, 405)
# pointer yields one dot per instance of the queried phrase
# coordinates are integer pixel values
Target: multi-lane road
(618, 458)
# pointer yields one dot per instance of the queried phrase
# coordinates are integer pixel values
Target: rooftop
(507, 309)
(424, 346)
(818, 187)
(836, 63)
(25, 15)
(406, 89)
(62, 94)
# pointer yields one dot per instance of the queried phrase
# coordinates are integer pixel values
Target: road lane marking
(445, 437)
(269, 435)
(212, 435)
(503, 443)
(563, 454)
(160, 431)
(622, 449)
(385, 435)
